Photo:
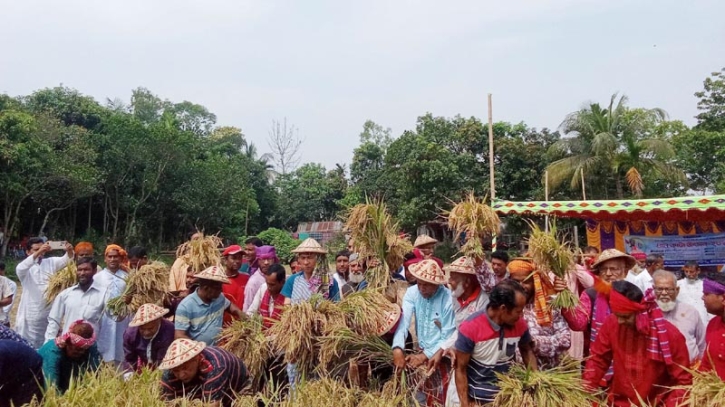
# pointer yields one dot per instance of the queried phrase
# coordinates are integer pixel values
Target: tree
(612, 144)
(308, 194)
(712, 103)
(701, 154)
(285, 145)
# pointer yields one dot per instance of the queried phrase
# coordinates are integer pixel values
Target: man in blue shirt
(431, 304)
(312, 279)
(200, 315)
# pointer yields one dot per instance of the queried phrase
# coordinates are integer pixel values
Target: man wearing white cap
(147, 338)
(197, 372)
(200, 315)
(431, 304)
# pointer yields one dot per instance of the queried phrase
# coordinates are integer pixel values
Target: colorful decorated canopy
(687, 208)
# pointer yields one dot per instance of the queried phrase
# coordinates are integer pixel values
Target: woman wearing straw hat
(147, 338)
(200, 315)
(195, 371)
(430, 302)
(312, 279)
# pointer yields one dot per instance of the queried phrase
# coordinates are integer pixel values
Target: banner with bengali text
(708, 250)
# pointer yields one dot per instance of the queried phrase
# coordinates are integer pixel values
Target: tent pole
(490, 164)
(584, 190)
(546, 198)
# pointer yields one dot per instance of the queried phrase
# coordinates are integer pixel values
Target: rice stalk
(376, 236)
(64, 278)
(201, 253)
(339, 348)
(474, 220)
(553, 255)
(707, 390)
(559, 386)
(247, 340)
(147, 285)
(364, 310)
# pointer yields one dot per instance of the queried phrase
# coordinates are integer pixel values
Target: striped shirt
(221, 375)
(492, 350)
(201, 321)
(297, 289)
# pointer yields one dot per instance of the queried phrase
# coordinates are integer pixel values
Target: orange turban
(543, 288)
(83, 246)
(116, 247)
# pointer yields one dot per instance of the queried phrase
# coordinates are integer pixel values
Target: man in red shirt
(648, 352)
(234, 291)
(713, 294)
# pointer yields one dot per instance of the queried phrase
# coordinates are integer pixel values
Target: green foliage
(336, 244)
(712, 103)
(446, 251)
(283, 242)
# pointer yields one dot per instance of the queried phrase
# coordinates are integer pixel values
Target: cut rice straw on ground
(707, 390)
(376, 236)
(61, 280)
(560, 386)
(201, 253)
(555, 256)
(476, 221)
(246, 339)
(147, 285)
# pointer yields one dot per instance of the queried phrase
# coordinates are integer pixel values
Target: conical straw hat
(462, 265)
(610, 254)
(428, 271)
(147, 313)
(181, 351)
(423, 240)
(213, 273)
(392, 317)
(310, 245)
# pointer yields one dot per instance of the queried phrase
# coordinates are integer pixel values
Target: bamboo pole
(490, 163)
(584, 190)
(546, 198)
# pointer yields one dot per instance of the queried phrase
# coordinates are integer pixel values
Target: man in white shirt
(680, 314)
(643, 280)
(7, 293)
(691, 290)
(112, 280)
(34, 273)
(85, 300)
(342, 269)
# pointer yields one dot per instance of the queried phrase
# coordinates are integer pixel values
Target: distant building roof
(320, 231)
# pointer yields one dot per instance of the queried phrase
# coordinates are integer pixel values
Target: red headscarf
(77, 340)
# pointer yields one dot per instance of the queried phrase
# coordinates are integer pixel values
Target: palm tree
(250, 151)
(616, 142)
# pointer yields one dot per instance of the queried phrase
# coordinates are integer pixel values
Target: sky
(328, 66)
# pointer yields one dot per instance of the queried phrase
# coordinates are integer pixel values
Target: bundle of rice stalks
(342, 346)
(376, 236)
(554, 256)
(61, 280)
(475, 220)
(246, 339)
(297, 333)
(147, 285)
(560, 386)
(201, 253)
(707, 390)
(106, 387)
(364, 310)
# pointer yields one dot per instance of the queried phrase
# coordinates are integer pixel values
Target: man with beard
(430, 302)
(113, 279)
(468, 298)
(691, 290)
(487, 343)
(547, 327)
(85, 300)
(356, 274)
(648, 354)
(147, 338)
(684, 316)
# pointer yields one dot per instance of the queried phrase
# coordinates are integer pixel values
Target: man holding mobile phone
(34, 273)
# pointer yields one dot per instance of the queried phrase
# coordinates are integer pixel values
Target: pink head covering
(267, 252)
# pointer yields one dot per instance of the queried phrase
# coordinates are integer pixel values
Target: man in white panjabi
(112, 279)
(691, 290)
(34, 273)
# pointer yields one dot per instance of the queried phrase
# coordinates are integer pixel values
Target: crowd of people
(637, 328)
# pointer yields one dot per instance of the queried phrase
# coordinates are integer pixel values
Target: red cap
(233, 249)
